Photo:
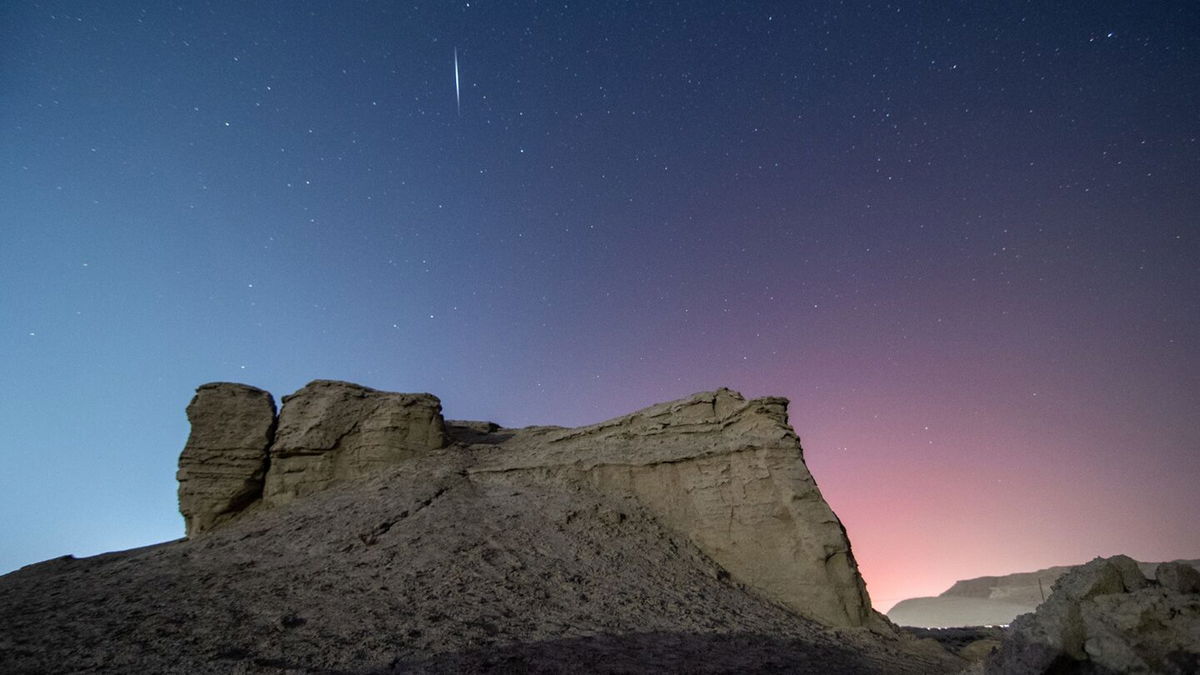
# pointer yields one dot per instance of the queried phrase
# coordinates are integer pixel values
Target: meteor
(457, 91)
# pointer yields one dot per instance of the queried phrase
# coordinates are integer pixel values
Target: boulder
(224, 462)
(331, 431)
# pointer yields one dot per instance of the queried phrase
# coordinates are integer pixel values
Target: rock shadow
(656, 652)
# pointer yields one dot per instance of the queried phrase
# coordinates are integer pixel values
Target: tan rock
(1153, 630)
(998, 600)
(222, 466)
(330, 431)
(727, 473)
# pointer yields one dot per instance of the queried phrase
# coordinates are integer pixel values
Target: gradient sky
(962, 238)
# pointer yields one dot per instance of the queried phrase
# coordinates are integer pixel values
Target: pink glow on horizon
(922, 512)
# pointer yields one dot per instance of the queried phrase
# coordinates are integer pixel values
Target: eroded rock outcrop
(331, 431)
(997, 600)
(1106, 617)
(222, 467)
(726, 473)
(240, 455)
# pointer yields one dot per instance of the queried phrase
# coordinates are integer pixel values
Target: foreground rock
(335, 431)
(1107, 617)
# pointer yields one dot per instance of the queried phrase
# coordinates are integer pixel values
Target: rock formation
(725, 472)
(239, 455)
(222, 467)
(1107, 617)
(361, 533)
(422, 569)
(330, 431)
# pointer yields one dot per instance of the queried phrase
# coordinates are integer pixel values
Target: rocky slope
(358, 532)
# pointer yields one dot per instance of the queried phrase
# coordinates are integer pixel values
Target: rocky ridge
(403, 543)
(725, 472)
(990, 600)
(224, 463)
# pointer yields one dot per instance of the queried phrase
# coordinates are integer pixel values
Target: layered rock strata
(224, 462)
(727, 473)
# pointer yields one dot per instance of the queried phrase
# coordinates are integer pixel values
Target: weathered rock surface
(224, 462)
(727, 473)
(1105, 617)
(1178, 576)
(331, 431)
(946, 612)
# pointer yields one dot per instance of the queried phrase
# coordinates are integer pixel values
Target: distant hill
(989, 601)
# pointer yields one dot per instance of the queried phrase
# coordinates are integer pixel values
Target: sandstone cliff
(990, 601)
(726, 473)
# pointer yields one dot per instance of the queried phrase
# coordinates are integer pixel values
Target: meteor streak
(457, 91)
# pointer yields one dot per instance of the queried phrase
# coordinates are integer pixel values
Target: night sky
(962, 238)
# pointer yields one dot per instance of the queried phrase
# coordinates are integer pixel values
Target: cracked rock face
(331, 431)
(726, 473)
(222, 467)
